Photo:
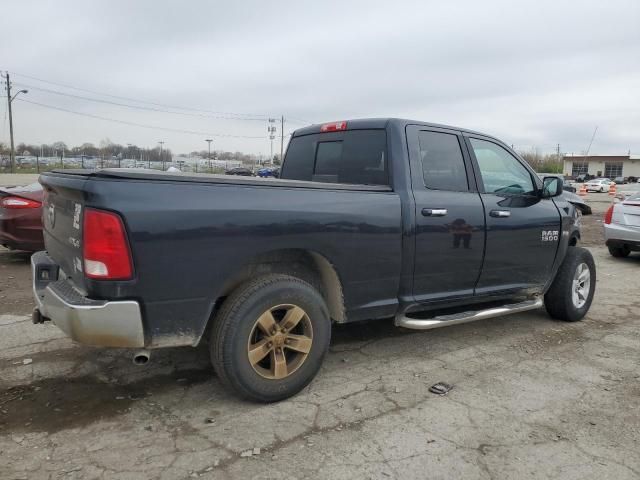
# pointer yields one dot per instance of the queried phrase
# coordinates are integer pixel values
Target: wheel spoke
(583, 275)
(267, 323)
(258, 351)
(278, 363)
(299, 343)
(292, 318)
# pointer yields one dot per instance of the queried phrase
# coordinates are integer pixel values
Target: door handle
(500, 213)
(434, 212)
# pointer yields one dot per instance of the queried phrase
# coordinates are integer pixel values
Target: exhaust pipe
(141, 357)
(38, 318)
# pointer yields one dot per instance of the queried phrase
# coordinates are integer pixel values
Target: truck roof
(370, 123)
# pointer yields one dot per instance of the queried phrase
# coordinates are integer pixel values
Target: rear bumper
(616, 234)
(616, 231)
(87, 321)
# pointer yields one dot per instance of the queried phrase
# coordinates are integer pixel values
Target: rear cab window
(351, 156)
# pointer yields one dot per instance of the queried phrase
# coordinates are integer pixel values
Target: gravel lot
(531, 398)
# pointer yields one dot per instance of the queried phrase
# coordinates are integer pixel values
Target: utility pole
(272, 130)
(10, 99)
(281, 138)
(586, 155)
(161, 157)
(209, 140)
(11, 156)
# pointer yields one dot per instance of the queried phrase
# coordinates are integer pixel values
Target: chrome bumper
(92, 322)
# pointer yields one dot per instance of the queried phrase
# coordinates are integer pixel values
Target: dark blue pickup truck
(371, 219)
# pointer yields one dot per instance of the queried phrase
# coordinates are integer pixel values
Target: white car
(622, 226)
(598, 185)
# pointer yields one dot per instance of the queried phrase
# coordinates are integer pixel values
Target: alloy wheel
(280, 341)
(581, 285)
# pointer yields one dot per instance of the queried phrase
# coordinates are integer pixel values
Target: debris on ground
(440, 388)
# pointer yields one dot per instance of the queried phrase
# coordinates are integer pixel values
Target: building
(609, 166)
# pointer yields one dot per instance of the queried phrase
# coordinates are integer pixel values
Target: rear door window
(442, 162)
(354, 156)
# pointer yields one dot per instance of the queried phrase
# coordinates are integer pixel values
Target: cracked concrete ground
(531, 398)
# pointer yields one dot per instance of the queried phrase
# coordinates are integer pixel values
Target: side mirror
(551, 187)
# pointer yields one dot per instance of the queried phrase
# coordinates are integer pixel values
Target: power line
(125, 122)
(264, 117)
(299, 121)
(137, 107)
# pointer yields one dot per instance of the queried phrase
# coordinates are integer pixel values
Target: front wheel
(270, 337)
(601, 189)
(571, 292)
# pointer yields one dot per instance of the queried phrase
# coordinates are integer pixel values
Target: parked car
(371, 219)
(598, 185)
(21, 218)
(620, 180)
(622, 226)
(269, 172)
(585, 177)
(243, 172)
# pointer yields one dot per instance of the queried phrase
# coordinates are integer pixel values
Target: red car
(21, 217)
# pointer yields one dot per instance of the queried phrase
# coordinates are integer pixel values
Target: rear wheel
(571, 292)
(619, 251)
(270, 337)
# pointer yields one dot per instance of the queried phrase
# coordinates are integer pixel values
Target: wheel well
(311, 267)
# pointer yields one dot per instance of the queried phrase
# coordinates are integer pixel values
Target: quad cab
(425, 224)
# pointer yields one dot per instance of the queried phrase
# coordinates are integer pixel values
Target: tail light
(608, 215)
(106, 250)
(333, 127)
(19, 202)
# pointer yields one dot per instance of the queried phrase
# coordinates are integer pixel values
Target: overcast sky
(533, 73)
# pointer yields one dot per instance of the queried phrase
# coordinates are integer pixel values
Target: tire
(236, 331)
(619, 252)
(559, 300)
(601, 189)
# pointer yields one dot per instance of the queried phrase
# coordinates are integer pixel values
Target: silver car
(622, 226)
(598, 185)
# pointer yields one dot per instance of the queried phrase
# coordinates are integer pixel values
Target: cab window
(501, 172)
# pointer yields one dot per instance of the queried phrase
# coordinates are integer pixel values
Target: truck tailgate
(62, 222)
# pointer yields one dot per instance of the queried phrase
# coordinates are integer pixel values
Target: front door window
(502, 173)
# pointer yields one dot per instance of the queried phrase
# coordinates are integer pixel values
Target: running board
(464, 317)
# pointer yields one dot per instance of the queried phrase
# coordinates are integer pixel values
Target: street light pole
(208, 140)
(10, 99)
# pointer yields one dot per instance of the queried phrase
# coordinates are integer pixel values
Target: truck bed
(160, 176)
(191, 235)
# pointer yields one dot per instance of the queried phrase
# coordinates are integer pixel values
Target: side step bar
(464, 317)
